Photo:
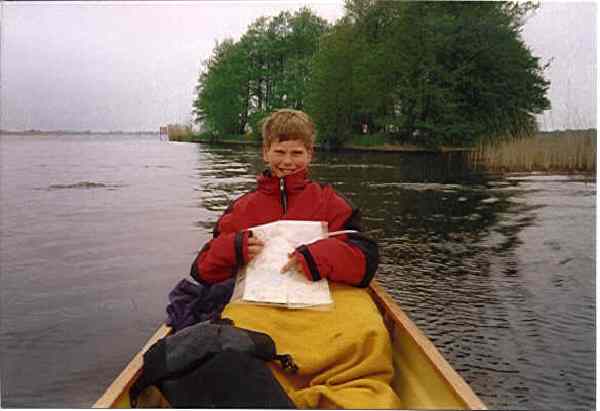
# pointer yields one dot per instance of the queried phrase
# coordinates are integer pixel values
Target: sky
(133, 66)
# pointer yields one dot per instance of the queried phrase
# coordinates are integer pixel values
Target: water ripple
(83, 185)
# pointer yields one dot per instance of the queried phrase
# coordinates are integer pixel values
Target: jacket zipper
(283, 195)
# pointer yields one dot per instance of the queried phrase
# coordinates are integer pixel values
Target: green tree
(267, 69)
(280, 50)
(221, 89)
(330, 95)
(434, 72)
(468, 73)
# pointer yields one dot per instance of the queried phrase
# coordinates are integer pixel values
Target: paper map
(262, 282)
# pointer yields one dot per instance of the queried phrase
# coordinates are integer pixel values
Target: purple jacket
(191, 303)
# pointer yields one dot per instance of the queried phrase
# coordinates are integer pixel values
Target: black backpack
(214, 365)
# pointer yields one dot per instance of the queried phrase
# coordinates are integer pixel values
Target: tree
(330, 93)
(436, 73)
(220, 91)
(267, 69)
(468, 73)
(281, 49)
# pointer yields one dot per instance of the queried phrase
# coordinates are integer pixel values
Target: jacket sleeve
(350, 259)
(223, 255)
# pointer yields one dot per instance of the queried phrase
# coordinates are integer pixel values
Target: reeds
(563, 151)
(178, 132)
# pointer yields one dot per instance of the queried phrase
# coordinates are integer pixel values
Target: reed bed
(178, 132)
(565, 151)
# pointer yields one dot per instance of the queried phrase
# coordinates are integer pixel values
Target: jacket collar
(268, 183)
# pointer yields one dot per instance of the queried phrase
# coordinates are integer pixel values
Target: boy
(344, 355)
(285, 192)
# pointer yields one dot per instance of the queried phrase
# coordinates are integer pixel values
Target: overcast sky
(133, 66)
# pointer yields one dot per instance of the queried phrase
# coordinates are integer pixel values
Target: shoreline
(386, 148)
(478, 164)
(75, 133)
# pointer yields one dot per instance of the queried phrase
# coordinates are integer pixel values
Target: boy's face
(287, 157)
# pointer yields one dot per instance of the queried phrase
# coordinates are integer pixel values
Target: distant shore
(74, 132)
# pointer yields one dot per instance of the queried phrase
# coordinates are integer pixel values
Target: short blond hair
(287, 124)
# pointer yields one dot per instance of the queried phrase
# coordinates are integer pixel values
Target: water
(499, 271)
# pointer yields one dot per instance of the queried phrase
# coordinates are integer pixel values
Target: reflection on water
(497, 271)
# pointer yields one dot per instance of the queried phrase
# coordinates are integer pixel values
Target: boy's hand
(292, 264)
(255, 246)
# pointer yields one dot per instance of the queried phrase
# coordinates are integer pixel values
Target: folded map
(262, 282)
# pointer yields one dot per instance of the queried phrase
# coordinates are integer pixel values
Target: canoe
(423, 379)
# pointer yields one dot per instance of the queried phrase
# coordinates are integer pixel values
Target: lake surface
(499, 271)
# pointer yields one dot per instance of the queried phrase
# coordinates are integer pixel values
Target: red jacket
(350, 259)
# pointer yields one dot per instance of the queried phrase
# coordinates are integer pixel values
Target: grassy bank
(379, 142)
(564, 151)
(357, 142)
(209, 138)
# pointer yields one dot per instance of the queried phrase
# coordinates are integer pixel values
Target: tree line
(425, 73)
